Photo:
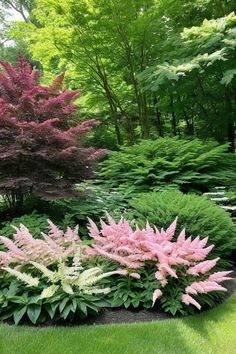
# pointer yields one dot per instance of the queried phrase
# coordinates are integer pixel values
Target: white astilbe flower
(67, 288)
(25, 278)
(46, 272)
(69, 279)
(49, 291)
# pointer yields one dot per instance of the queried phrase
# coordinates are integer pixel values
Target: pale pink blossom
(156, 295)
(187, 300)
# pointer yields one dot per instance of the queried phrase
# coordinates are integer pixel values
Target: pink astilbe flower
(156, 295)
(25, 249)
(119, 242)
(220, 276)
(187, 300)
(203, 267)
(133, 248)
(204, 287)
(208, 285)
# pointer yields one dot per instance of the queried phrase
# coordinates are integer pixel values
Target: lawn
(210, 332)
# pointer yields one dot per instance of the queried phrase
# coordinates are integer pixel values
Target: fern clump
(169, 162)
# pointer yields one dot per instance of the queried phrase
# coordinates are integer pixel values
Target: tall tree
(104, 45)
(201, 79)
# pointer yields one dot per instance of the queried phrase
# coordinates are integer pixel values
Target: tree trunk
(158, 124)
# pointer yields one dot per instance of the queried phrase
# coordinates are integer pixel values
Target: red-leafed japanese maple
(41, 149)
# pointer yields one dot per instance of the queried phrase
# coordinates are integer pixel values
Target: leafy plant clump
(97, 201)
(195, 213)
(188, 165)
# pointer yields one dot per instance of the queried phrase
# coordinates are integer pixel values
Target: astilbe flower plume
(54, 246)
(41, 150)
(68, 278)
(133, 248)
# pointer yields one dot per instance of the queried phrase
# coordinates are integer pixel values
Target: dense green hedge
(197, 214)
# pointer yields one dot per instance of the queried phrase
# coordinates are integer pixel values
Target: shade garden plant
(153, 165)
(58, 277)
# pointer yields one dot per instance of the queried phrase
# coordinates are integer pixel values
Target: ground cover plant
(35, 222)
(96, 202)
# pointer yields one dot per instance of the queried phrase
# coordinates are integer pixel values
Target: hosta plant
(181, 268)
(22, 304)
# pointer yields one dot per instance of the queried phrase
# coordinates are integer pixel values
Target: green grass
(211, 332)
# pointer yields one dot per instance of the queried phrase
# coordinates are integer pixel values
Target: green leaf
(19, 313)
(83, 308)
(51, 309)
(66, 311)
(117, 303)
(33, 312)
(63, 304)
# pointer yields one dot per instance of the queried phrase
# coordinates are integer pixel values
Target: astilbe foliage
(183, 257)
(40, 146)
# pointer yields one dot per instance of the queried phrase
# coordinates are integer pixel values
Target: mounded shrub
(188, 165)
(197, 214)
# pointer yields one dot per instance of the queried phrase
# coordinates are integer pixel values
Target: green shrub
(197, 214)
(169, 162)
(34, 222)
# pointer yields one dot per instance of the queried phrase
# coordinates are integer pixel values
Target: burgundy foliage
(41, 149)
